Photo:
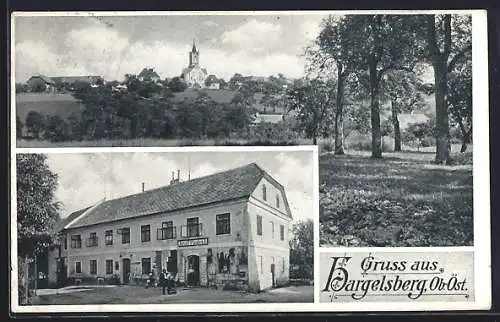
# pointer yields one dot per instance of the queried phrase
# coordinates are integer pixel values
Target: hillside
(63, 105)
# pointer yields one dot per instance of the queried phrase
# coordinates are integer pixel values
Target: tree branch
(392, 67)
(457, 57)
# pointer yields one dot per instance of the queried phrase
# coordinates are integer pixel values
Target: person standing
(163, 280)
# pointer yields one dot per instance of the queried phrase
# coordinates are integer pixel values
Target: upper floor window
(277, 201)
(282, 232)
(264, 192)
(76, 241)
(92, 240)
(259, 225)
(193, 227)
(93, 266)
(65, 242)
(167, 231)
(272, 230)
(108, 235)
(223, 224)
(126, 235)
(145, 233)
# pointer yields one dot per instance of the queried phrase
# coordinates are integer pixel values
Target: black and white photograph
(165, 228)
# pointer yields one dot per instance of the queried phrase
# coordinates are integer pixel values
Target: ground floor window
(109, 266)
(93, 266)
(283, 266)
(78, 267)
(146, 266)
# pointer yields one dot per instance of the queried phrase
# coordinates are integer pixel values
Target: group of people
(166, 281)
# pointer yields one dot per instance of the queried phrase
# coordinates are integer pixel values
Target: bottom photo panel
(182, 227)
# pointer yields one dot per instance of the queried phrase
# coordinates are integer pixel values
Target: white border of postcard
(481, 186)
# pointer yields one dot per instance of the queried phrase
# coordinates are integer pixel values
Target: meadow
(400, 200)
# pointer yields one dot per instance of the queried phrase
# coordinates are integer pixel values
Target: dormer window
(264, 192)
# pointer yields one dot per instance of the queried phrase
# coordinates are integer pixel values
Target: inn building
(229, 227)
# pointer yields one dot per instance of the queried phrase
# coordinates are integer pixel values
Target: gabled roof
(46, 79)
(74, 79)
(228, 185)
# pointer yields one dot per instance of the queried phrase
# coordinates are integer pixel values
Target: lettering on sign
(192, 242)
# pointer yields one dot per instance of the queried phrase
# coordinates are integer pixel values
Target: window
(146, 266)
(259, 225)
(264, 192)
(283, 264)
(223, 224)
(76, 241)
(193, 227)
(272, 230)
(93, 267)
(261, 264)
(282, 232)
(92, 240)
(78, 267)
(126, 235)
(65, 242)
(109, 266)
(167, 231)
(145, 233)
(108, 235)
(277, 201)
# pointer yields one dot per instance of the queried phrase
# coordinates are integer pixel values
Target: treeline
(366, 62)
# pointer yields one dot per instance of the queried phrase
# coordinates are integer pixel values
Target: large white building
(229, 228)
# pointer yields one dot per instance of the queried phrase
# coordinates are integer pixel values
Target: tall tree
(35, 124)
(312, 101)
(37, 211)
(302, 250)
(379, 44)
(449, 39)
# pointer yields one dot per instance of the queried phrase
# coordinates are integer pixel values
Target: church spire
(194, 50)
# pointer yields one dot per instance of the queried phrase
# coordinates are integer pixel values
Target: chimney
(143, 187)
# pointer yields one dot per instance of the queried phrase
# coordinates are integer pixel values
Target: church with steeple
(194, 75)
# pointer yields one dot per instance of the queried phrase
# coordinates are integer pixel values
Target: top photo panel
(365, 83)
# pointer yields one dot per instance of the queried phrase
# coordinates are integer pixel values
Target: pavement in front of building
(140, 295)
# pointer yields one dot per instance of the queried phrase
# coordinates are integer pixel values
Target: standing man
(163, 280)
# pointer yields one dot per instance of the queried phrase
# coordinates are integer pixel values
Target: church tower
(194, 56)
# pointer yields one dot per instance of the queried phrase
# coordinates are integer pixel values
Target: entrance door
(193, 270)
(63, 272)
(172, 262)
(126, 270)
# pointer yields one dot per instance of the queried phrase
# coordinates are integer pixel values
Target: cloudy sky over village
(113, 46)
(87, 178)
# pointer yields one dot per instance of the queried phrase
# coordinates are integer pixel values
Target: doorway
(63, 272)
(193, 270)
(126, 270)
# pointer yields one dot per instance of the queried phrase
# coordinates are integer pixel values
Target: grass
(400, 200)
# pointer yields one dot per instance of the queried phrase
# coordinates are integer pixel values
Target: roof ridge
(191, 180)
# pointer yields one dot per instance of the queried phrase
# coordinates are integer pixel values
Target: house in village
(148, 74)
(53, 84)
(231, 227)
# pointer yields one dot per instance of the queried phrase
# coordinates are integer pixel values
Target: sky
(87, 178)
(112, 46)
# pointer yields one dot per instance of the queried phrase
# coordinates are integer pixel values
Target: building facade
(230, 229)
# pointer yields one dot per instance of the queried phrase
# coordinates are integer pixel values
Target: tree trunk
(339, 118)
(315, 140)
(442, 122)
(375, 111)
(397, 128)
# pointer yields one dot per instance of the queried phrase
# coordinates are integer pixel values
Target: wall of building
(268, 248)
(137, 249)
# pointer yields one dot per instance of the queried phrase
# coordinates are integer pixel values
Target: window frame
(278, 201)
(259, 225)
(264, 192)
(124, 240)
(107, 241)
(145, 233)
(223, 224)
(78, 271)
(76, 241)
(90, 267)
(109, 272)
(282, 232)
(143, 261)
(272, 229)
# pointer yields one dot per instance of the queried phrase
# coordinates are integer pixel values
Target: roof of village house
(74, 79)
(228, 185)
(148, 73)
(46, 79)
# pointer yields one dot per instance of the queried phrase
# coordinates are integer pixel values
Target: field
(400, 200)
